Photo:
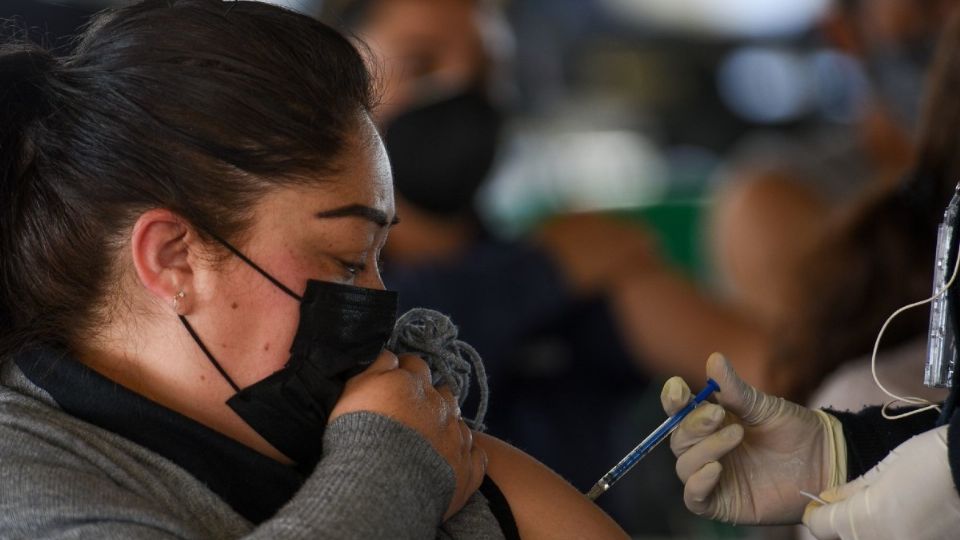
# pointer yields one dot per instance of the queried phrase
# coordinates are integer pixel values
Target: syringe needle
(650, 442)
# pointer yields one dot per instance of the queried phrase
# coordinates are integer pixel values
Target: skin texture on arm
(544, 505)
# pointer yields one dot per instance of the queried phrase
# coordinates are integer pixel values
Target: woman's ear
(160, 247)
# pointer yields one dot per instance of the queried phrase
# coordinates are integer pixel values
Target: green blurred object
(678, 225)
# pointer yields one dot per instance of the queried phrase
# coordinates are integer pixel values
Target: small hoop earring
(176, 300)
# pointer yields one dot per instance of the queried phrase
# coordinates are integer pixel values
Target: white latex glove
(746, 460)
(910, 494)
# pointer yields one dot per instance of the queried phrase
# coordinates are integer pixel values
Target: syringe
(651, 442)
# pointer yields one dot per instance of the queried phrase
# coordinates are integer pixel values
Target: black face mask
(341, 331)
(442, 152)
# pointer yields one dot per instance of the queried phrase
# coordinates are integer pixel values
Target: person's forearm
(378, 479)
(870, 437)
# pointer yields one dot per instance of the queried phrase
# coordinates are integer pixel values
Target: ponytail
(24, 99)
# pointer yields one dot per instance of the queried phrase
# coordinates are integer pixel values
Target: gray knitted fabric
(62, 478)
(433, 336)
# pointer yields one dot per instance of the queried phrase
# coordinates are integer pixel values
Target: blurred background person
(882, 246)
(533, 307)
(818, 236)
(779, 188)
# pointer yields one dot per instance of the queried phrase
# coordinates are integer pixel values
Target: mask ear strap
(262, 272)
(206, 351)
(253, 265)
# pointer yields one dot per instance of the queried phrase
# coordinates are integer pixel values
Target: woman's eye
(353, 268)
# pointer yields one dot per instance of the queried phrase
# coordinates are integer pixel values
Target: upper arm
(544, 505)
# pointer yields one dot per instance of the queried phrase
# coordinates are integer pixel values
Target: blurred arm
(667, 323)
(670, 326)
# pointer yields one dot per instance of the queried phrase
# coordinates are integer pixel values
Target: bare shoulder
(543, 504)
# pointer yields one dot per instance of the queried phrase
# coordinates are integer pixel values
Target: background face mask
(441, 152)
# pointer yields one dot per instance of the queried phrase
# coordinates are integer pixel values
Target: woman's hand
(747, 459)
(593, 250)
(400, 388)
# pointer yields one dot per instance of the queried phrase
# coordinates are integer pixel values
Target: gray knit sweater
(61, 477)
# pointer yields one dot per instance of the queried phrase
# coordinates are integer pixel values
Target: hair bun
(23, 70)
(24, 95)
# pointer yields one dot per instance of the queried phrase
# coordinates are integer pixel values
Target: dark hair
(880, 255)
(197, 106)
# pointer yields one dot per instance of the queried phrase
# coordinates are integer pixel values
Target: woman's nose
(370, 280)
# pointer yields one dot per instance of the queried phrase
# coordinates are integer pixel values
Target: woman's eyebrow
(368, 213)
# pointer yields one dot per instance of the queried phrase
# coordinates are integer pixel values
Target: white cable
(912, 400)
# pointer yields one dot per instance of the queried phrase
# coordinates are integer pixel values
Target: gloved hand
(910, 494)
(746, 460)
